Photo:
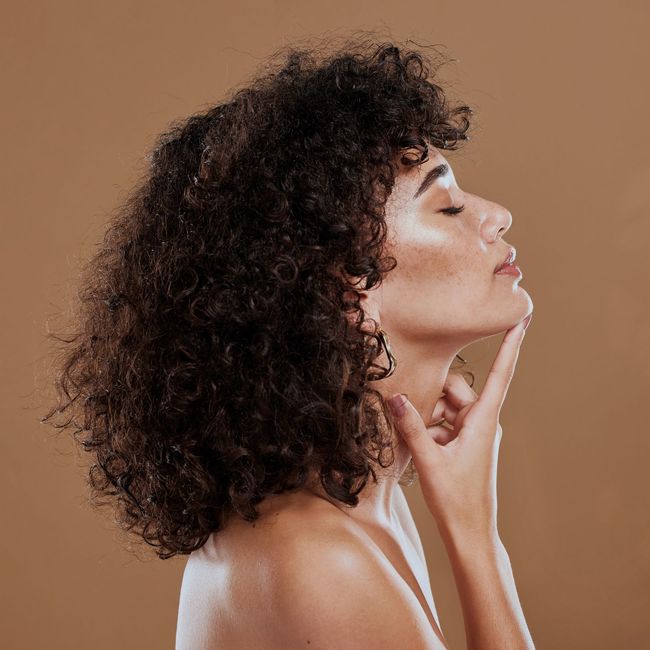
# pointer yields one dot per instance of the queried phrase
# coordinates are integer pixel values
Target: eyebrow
(430, 178)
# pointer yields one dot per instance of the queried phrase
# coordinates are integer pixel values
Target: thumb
(412, 429)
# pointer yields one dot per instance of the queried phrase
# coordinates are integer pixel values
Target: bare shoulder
(301, 575)
(335, 591)
(229, 584)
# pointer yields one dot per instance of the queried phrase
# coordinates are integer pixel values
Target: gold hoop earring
(392, 361)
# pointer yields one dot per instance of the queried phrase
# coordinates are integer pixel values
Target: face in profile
(447, 243)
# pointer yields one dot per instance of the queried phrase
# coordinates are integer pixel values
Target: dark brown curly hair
(211, 360)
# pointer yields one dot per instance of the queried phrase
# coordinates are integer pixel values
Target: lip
(510, 258)
(509, 269)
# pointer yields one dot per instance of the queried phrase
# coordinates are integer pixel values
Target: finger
(411, 428)
(458, 392)
(443, 411)
(442, 435)
(438, 413)
(438, 410)
(502, 370)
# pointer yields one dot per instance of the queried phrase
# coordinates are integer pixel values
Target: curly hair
(217, 354)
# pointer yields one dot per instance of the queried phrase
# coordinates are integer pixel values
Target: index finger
(503, 368)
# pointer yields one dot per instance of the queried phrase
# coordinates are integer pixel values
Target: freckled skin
(442, 296)
(443, 293)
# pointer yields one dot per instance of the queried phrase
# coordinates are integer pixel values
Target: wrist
(462, 538)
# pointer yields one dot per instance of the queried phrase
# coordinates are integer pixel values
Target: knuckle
(410, 430)
(417, 431)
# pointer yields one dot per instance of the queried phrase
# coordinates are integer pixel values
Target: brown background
(561, 139)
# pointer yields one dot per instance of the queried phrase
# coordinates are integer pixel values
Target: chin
(508, 312)
(527, 302)
(522, 307)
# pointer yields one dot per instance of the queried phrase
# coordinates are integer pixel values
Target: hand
(457, 467)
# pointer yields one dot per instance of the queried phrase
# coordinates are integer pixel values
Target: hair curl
(212, 361)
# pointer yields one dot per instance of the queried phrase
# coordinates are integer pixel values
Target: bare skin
(229, 594)
(442, 296)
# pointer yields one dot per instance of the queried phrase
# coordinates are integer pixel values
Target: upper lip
(510, 258)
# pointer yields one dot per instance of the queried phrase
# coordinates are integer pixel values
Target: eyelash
(453, 210)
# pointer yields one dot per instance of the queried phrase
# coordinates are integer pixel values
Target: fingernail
(397, 404)
(527, 321)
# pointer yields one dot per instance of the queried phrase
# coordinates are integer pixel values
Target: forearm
(491, 609)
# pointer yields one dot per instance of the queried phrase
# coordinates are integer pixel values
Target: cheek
(435, 261)
(439, 279)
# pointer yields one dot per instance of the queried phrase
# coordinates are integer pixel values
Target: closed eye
(453, 210)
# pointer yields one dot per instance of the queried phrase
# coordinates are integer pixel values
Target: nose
(497, 222)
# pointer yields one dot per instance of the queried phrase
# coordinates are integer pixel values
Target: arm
(338, 594)
(457, 468)
(492, 612)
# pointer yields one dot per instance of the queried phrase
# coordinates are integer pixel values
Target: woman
(293, 258)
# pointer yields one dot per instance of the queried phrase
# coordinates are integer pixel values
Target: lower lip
(511, 269)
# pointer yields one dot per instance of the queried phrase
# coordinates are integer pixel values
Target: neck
(422, 378)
